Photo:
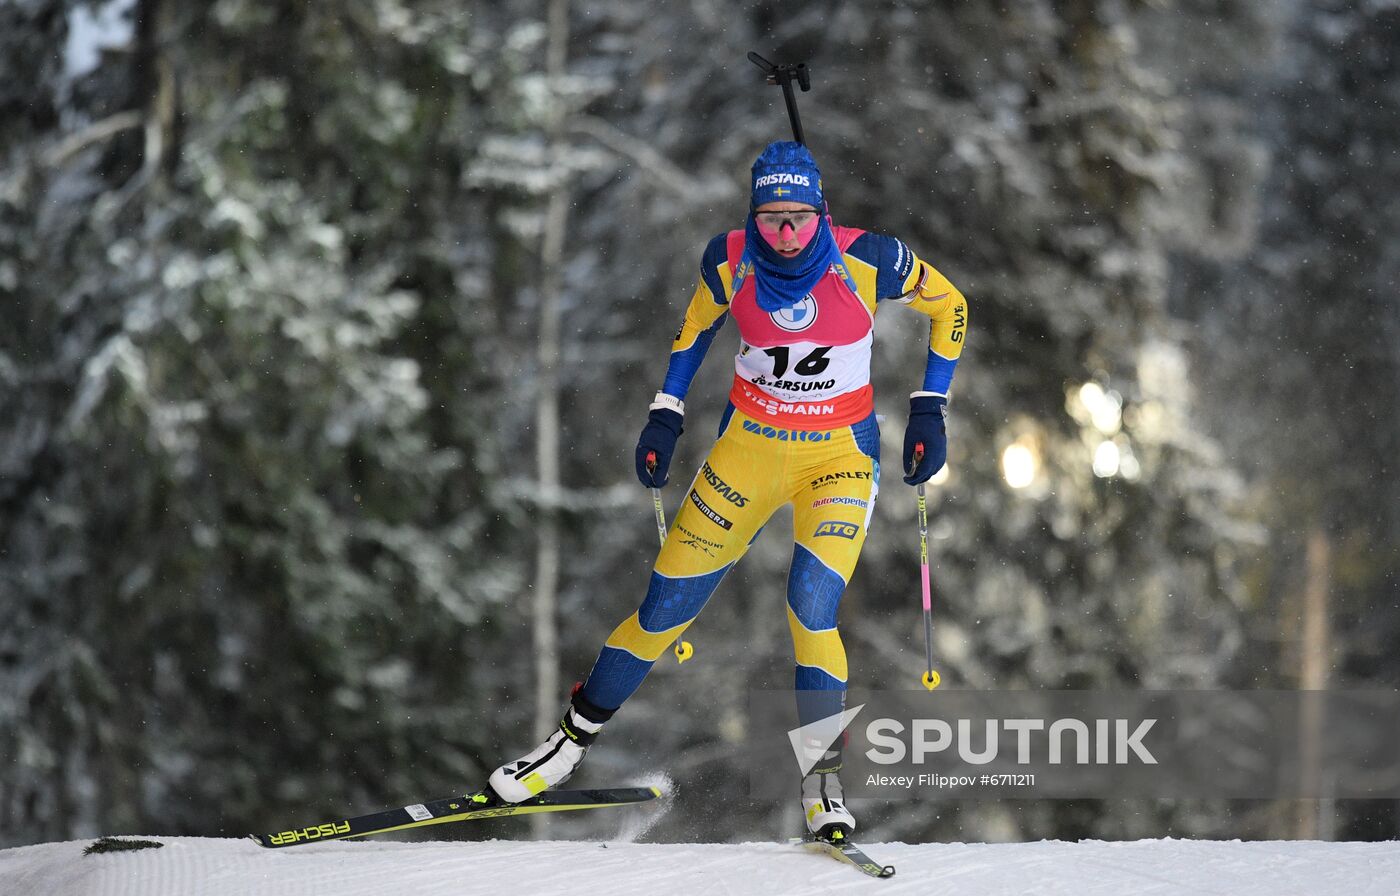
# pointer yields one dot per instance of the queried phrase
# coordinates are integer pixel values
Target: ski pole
(931, 679)
(783, 76)
(682, 648)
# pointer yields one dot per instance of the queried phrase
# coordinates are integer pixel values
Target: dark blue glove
(926, 428)
(658, 436)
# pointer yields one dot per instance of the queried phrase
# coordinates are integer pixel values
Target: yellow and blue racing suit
(800, 429)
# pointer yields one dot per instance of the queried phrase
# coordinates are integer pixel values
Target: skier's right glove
(659, 440)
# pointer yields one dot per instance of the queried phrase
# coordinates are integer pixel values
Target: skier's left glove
(658, 439)
(926, 428)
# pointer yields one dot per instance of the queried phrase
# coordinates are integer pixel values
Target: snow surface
(192, 866)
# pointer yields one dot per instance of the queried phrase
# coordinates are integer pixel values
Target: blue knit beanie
(786, 172)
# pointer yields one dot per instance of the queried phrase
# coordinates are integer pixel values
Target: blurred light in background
(1020, 463)
(1105, 407)
(1128, 466)
(1114, 457)
(1106, 459)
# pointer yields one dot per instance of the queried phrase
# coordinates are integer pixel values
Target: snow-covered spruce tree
(246, 525)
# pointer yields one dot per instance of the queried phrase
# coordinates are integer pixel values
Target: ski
(844, 850)
(473, 807)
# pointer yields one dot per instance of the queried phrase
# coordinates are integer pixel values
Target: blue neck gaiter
(783, 282)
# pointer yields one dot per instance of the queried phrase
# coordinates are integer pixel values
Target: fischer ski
(473, 807)
(843, 850)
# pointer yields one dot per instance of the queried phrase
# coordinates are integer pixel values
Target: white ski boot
(823, 803)
(551, 763)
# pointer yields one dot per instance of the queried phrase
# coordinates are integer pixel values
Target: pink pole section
(931, 678)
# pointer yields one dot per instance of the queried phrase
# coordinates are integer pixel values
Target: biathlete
(799, 429)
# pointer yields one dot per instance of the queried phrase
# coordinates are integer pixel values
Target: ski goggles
(774, 222)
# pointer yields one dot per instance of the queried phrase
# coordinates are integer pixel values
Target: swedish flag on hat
(786, 172)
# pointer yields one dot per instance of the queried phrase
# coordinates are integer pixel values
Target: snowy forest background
(328, 330)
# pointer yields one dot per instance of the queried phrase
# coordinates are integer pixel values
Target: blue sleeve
(938, 375)
(686, 362)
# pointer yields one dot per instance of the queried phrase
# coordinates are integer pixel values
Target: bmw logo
(798, 316)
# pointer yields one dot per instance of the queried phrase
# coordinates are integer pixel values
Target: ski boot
(552, 762)
(823, 804)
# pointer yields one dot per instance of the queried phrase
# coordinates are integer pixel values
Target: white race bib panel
(806, 371)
